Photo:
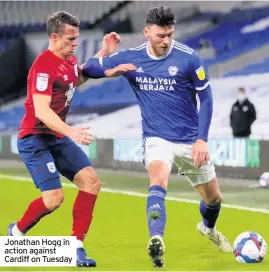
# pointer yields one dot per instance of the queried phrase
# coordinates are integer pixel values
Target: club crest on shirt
(200, 72)
(76, 70)
(42, 81)
(51, 167)
(172, 70)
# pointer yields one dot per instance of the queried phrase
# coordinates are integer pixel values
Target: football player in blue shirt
(168, 77)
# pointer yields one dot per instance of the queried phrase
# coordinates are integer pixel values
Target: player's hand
(81, 135)
(120, 69)
(110, 42)
(200, 153)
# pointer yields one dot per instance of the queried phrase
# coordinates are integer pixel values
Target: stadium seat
(254, 68)
(229, 39)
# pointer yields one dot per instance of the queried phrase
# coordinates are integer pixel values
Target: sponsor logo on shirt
(76, 70)
(200, 72)
(139, 70)
(42, 81)
(69, 94)
(156, 84)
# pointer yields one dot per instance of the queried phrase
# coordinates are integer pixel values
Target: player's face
(160, 38)
(67, 40)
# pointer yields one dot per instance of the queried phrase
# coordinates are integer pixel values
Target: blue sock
(156, 213)
(210, 214)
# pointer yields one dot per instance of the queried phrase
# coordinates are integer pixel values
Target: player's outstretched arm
(120, 70)
(44, 113)
(94, 69)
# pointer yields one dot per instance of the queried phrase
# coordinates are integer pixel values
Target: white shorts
(162, 150)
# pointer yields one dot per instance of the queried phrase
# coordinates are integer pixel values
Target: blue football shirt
(165, 88)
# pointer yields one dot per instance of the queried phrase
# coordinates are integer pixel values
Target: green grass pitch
(118, 236)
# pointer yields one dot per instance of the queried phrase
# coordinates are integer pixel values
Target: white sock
(16, 231)
(210, 230)
(79, 244)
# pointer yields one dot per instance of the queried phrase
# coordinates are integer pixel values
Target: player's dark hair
(57, 20)
(161, 16)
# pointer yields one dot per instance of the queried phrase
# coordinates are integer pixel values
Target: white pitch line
(107, 190)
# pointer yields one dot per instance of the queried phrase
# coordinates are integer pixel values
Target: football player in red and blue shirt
(46, 143)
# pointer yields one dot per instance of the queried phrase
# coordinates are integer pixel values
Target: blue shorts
(45, 156)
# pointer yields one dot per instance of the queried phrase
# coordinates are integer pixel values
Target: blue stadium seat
(110, 92)
(227, 38)
(254, 68)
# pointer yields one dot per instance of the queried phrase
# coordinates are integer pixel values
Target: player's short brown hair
(58, 19)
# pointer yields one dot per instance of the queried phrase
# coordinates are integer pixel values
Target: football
(264, 180)
(249, 247)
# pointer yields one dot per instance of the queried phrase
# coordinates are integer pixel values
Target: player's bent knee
(215, 200)
(87, 181)
(92, 185)
(54, 202)
(53, 199)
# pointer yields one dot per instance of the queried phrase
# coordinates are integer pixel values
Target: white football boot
(156, 250)
(216, 237)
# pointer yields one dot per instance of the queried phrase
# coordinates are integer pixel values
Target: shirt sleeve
(113, 60)
(41, 80)
(198, 72)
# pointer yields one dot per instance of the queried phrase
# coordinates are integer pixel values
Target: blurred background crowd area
(232, 38)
